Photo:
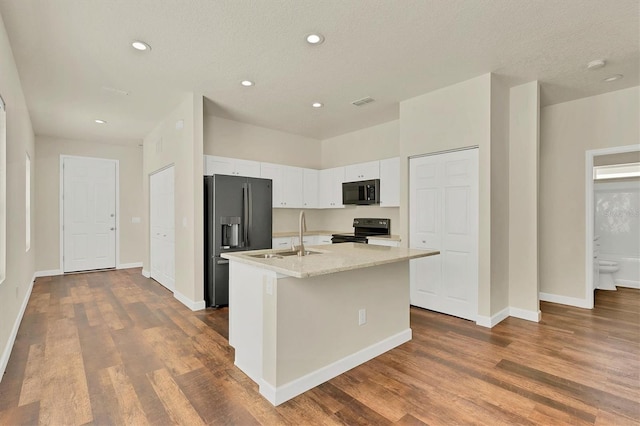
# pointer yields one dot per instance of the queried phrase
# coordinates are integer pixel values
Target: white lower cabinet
(383, 242)
(281, 242)
(324, 239)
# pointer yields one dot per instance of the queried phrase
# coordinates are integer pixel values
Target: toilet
(607, 269)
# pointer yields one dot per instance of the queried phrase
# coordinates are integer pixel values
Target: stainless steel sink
(294, 253)
(266, 256)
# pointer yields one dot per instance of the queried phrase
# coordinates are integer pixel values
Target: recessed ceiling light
(315, 38)
(97, 120)
(317, 105)
(140, 45)
(247, 83)
(613, 78)
(594, 65)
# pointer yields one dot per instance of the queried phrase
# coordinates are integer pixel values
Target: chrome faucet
(302, 227)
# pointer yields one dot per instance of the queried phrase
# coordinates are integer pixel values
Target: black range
(363, 228)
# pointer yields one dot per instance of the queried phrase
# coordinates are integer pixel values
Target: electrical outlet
(362, 317)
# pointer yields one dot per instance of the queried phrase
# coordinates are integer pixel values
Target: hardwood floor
(117, 348)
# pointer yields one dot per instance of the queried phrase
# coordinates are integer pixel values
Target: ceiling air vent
(363, 101)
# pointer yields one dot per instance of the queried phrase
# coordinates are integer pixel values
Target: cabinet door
(337, 178)
(310, 188)
(383, 242)
(274, 172)
(292, 187)
(281, 243)
(324, 239)
(247, 168)
(362, 171)
(330, 184)
(390, 182)
(220, 165)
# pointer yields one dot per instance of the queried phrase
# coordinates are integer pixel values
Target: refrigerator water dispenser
(230, 232)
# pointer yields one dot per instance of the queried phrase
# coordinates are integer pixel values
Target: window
(3, 190)
(27, 197)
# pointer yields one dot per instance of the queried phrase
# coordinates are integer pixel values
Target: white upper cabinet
(390, 182)
(330, 184)
(287, 184)
(310, 188)
(214, 165)
(362, 171)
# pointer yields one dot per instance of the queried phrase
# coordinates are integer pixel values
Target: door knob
(112, 229)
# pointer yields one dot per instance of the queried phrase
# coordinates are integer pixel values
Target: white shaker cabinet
(287, 184)
(362, 171)
(215, 165)
(330, 184)
(281, 243)
(310, 188)
(390, 182)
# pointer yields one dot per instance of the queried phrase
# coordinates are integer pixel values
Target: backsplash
(341, 220)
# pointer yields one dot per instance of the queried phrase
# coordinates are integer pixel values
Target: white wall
(228, 138)
(181, 146)
(369, 144)
(567, 131)
(524, 154)
(15, 289)
(454, 117)
(47, 219)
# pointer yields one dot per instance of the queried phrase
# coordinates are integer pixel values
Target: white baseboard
(146, 274)
(493, 320)
(14, 332)
(628, 283)
(280, 394)
(564, 300)
(49, 273)
(524, 314)
(193, 305)
(129, 265)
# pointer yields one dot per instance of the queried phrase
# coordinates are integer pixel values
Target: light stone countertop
(331, 258)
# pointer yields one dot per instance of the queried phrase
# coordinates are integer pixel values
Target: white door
(162, 227)
(443, 215)
(89, 213)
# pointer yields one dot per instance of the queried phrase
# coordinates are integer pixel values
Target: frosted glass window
(3, 191)
(27, 197)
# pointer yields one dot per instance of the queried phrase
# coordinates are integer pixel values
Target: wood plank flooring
(117, 348)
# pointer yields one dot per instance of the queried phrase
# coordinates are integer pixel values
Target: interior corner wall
(454, 117)
(47, 215)
(180, 145)
(500, 182)
(20, 263)
(524, 154)
(567, 131)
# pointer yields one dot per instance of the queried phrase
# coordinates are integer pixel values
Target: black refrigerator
(237, 217)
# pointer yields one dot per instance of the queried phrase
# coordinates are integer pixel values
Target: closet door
(162, 226)
(443, 215)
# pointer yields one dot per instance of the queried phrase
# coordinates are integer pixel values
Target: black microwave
(361, 192)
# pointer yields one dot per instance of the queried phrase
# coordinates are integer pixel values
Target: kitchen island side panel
(313, 322)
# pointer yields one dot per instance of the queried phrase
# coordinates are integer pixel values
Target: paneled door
(89, 213)
(162, 227)
(443, 215)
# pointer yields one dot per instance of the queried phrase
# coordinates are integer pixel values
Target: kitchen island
(296, 322)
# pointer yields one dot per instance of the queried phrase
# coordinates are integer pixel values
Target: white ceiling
(68, 51)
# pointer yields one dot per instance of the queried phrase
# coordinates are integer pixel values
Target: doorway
(89, 213)
(444, 215)
(591, 267)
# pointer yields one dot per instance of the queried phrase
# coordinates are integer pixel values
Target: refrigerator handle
(245, 214)
(250, 203)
